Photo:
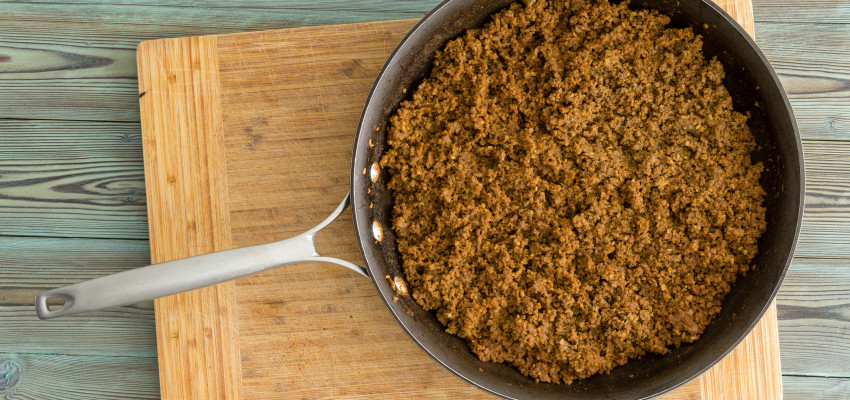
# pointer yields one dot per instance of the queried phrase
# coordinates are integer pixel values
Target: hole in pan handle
(185, 274)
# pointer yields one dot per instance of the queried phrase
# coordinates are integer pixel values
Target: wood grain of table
(72, 201)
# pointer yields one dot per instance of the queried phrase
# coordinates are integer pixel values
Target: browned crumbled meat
(572, 188)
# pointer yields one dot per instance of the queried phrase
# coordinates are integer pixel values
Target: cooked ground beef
(572, 188)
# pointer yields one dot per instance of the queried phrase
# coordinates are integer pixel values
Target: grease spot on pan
(399, 286)
(377, 231)
(374, 172)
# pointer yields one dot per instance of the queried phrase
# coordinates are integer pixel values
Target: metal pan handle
(182, 275)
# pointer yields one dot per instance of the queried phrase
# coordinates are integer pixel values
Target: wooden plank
(818, 12)
(816, 388)
(64, 81)
(813, 63)
(101, 99)
(183, 145)
(31, 265)
(36, 377)
(814, 318)
(824, 232)
(116, 332)
(71, 179)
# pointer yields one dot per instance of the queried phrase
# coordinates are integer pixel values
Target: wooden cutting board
(247, 139)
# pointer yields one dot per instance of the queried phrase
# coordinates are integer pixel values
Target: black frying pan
(749, 79)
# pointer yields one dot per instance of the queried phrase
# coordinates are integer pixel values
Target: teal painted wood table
(72, 197)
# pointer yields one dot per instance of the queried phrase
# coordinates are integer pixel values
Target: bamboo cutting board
(247, 139)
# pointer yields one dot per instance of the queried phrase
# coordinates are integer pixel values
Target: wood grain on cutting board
(247, 139)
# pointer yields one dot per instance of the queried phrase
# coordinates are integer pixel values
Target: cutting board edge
(292, 30)
(176, 176)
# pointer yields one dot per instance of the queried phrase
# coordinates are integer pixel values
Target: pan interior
(755, 90)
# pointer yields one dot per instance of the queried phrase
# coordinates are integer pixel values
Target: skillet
(750, 81)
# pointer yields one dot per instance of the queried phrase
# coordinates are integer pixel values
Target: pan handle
(185, 274)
